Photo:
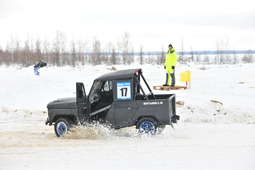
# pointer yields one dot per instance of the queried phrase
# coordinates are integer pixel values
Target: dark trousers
(172, 79)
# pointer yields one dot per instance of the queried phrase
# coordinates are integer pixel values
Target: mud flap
(175, 118)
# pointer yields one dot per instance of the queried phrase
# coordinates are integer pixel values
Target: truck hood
(65, 103)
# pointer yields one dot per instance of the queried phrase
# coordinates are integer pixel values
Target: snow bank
(25, 96)
(21, 115)
(210, 112)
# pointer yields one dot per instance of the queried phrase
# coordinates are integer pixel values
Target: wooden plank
(169, 87)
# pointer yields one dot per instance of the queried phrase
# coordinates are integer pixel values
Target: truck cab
(118, 100)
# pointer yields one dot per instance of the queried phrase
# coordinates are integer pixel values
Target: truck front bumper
(47, 121)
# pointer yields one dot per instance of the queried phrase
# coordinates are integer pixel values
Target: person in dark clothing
(38, 65)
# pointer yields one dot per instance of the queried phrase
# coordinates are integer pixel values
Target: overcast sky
(153, 24)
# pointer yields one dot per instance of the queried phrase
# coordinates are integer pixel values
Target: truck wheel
(147, 126)
(61, 127)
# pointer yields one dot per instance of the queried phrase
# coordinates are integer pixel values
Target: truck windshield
(95, 91)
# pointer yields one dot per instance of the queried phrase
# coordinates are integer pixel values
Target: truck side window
(107, 86)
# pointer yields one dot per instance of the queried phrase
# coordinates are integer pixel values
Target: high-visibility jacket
(171, 59)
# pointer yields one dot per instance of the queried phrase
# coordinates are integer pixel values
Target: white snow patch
(209, 135)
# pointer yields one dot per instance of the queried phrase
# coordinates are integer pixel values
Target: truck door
(81, 100)
(124, 104)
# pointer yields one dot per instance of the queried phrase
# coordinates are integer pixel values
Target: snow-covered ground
(210, 135)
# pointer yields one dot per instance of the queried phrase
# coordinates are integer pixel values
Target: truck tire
(147, 126)
(62, 126)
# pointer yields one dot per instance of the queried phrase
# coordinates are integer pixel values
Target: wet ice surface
(31, 145)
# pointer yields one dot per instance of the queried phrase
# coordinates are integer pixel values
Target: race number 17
(123, 92)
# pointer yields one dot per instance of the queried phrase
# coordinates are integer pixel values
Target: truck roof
(118, 75)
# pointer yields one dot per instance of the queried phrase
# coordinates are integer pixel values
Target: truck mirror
(80, 92)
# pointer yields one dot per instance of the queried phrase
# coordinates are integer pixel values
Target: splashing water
(99, 131)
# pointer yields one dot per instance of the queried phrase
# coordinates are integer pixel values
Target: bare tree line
(58, 53)
(80, 52)
(222, 55)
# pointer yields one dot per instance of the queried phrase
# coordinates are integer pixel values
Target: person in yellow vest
(169, 65)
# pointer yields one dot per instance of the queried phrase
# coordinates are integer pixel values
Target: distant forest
(80, 52)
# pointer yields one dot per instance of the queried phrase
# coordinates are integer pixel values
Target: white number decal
(123, 90)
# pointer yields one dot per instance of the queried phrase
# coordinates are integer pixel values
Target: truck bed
(162, 108)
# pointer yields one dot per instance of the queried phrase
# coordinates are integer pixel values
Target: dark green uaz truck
(118, 100)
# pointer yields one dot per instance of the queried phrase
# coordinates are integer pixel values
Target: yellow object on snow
(171, 59)
(185, 76)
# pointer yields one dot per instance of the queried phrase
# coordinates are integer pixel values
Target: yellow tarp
(185, 76)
